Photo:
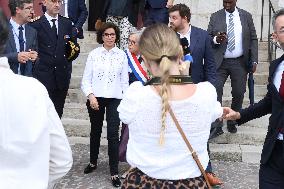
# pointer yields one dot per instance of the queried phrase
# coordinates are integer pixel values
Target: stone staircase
(244, 146)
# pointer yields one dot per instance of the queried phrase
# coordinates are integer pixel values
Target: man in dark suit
(156, 11)
(77, 12)
(53, 68)
(203, 67)
(271, 173)
(21, 47)
(233, 33)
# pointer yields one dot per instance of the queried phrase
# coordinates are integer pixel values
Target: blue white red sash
(136, 67)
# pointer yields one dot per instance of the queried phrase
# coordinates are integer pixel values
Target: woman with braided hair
(155, 146)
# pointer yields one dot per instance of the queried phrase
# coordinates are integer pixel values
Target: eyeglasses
(109, 35)
(131, 42)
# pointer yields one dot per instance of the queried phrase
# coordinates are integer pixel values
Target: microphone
(185, 68)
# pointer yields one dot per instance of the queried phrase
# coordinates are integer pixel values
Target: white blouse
(106, 73)
(34, 149)
(141, 110)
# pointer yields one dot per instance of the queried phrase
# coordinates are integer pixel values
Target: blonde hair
(160, 44)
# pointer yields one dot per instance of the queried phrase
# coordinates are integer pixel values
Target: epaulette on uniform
(35, 19)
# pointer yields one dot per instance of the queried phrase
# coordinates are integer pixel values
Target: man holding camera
(233, 33)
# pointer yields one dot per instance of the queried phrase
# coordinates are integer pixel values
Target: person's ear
(274, 36)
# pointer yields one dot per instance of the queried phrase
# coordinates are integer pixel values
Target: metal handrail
(272, 46)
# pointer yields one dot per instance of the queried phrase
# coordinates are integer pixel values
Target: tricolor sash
(136, 67)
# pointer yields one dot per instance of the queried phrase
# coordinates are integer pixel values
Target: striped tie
(231, 34)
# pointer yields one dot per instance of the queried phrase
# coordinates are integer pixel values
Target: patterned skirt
(136, 179)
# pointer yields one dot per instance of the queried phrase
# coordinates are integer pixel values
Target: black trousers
(235, 68)
(271, 174)
(58, 97)
(113, 122)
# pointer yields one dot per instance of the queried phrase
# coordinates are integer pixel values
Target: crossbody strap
(193, 153)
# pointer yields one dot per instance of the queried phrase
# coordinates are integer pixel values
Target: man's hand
(23, 57)
(93, 101)
(230, 114)
(33, 55)
(221, 37)
(170, 3)
(254, 67)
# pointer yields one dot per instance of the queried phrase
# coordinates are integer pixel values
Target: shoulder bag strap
(193, 153)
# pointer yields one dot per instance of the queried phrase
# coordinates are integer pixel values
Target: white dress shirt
(140, 108)
(277, 82)
(238, 51)
(106, 73)
(34, 150)
(187, 35)
(49, 18)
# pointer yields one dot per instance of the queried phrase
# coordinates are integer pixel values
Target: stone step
(235, 152)
(80, 61)
(89, 36)
(245, 135)
(262, 67)
(219, 152)
(75, 111)
(262, 55)
(88, 47)
(226, 101)
(262, 45)
(259, 90)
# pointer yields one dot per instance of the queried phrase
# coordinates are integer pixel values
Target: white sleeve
(217, 110)
(129, 104)
(124, 74)
(86, 84)
(60, 161)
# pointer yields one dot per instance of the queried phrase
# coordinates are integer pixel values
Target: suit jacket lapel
(28, 37)
(46, 26)
(194, 37)
(12, 39)
(223, 21)
(60, 31)
(243, 19)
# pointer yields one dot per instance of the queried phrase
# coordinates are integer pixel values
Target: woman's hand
(93, 102)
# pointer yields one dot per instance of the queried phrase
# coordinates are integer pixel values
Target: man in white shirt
(234, 36)
(21, 47)
(34, 149)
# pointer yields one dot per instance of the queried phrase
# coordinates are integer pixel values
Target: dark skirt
(137, 179)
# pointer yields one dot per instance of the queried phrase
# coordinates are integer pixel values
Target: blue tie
(22, 48)
(231, 34)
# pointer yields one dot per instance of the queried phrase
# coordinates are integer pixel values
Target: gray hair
(137, 32)
(13, 4)
(278, 13)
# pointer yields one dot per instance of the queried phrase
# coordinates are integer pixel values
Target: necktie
(281, 89)
(231, 34)
(22, 48)
(53, 28)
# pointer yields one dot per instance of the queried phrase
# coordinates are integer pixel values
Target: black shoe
(216, 129)
(90, 168)
(115, 181)
(214, 132)
(231, 126)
